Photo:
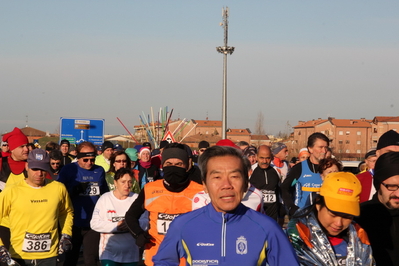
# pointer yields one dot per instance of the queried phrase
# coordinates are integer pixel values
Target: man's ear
(205, 188)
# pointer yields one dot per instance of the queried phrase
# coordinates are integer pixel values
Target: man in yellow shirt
(35, 207)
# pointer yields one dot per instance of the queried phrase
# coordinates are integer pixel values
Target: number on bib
(269, 196)
(164, 221)
(37, 242)
(93, 189)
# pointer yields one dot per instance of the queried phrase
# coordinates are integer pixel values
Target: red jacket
(366, 179)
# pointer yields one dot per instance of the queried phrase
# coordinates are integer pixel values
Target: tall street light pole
(225, 50)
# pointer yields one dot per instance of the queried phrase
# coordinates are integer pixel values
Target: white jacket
(114, 245)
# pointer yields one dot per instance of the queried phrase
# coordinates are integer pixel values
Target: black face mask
(175, 178)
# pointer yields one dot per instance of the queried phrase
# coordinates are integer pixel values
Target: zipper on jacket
(223, 242)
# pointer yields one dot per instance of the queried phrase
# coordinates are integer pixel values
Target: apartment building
(350, 138)
(382, 124)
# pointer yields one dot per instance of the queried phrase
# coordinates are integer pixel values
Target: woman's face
(123, 185)
(120, 162)
(331, 169)
(334, 223)
(304, 157)
(145, 156)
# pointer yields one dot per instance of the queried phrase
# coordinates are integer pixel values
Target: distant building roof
(311, 123)
(351, 122)
(208, 123)
(385, 119)
(200, 137)
(259, 137)
(336, 122)
(238, 132)
(33, 132)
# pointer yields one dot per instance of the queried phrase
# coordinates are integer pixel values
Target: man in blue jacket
(225, 232)
(85, 182)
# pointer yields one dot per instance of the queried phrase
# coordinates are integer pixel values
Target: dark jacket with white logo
(207, 237)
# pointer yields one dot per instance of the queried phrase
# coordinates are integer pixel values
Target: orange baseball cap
(341, 192)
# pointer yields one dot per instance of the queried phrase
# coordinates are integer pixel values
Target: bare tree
(259, 129)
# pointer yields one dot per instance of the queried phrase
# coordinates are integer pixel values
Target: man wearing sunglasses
(380, 215)
(5, 149)
(85, 182)
(55, 163)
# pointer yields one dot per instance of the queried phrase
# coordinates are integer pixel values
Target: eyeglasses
(5, 145)
(87, 159)
(391, 187)
(120, 161)
(55, 163)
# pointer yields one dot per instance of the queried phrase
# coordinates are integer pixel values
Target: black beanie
(106, 145)
(65, 141)
(387, 165)
(389, 138)
(203, 144)
(175, 153)
(163, 144)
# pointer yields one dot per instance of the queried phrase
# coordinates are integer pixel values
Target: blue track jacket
(207, 237)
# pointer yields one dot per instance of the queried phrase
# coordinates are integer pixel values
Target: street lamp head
(225, 50)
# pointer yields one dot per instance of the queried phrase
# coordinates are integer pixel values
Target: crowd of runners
(228, 204)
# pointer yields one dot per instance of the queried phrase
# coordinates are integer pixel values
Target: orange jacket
(163, 206)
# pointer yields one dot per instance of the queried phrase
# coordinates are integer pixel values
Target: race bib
(37, 242)
(164, 221)
(269, 196)
(93, 189)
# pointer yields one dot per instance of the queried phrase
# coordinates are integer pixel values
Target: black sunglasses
(87, 159)
(391, 187)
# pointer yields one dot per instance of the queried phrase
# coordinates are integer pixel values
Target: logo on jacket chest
(112, 216)
(241, 246)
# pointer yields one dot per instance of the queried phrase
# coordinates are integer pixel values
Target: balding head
(264, 156)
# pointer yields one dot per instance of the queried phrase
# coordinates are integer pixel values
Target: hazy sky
(293, 60)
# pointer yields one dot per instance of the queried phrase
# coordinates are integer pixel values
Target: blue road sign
(77, 130)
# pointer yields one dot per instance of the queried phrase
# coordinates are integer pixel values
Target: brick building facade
(350, 138)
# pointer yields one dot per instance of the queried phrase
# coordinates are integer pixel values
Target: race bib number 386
(164, 221)
(37, 242)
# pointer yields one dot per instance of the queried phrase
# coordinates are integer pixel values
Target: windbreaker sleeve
(133, 215)
(65, 212)
(279, 251)
(99, 221)
(287, 188)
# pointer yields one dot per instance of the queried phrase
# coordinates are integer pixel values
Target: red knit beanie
(226, 142)
(15, 138)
